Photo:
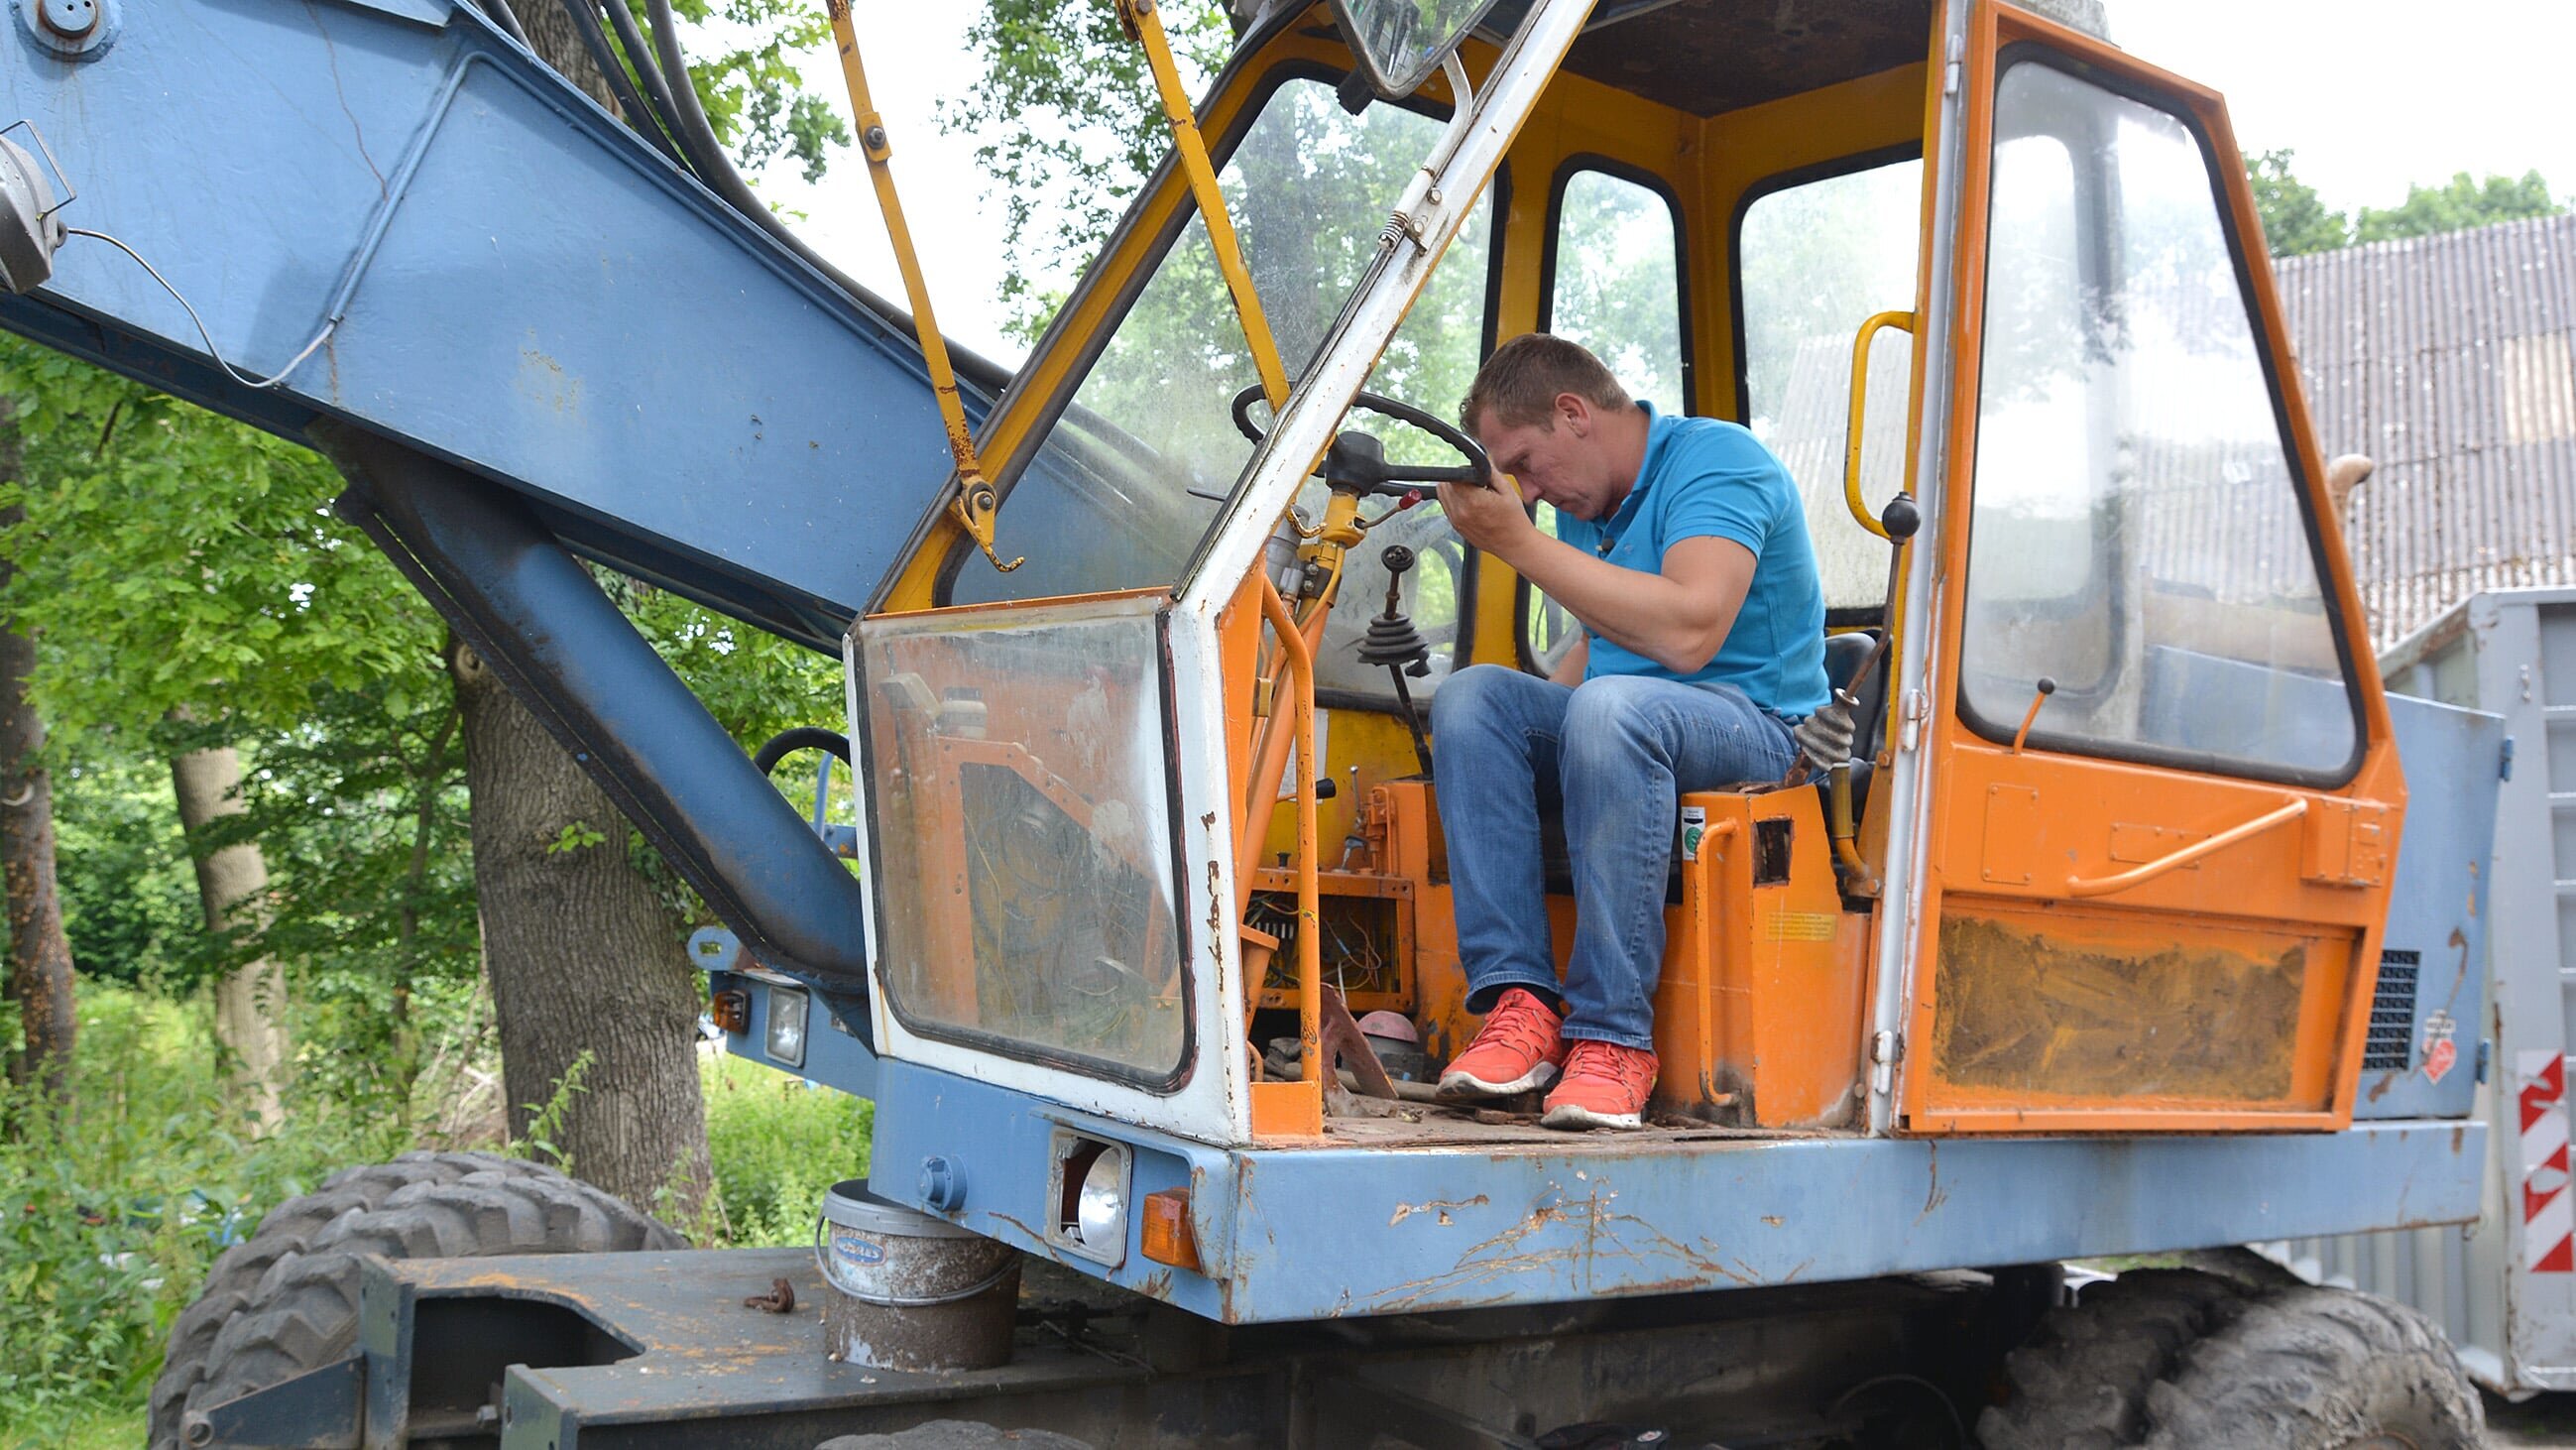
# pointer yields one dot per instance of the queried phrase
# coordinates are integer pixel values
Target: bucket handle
(823, 1265)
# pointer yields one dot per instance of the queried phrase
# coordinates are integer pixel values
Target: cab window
(1614, 285)
(2137, 533)
(1816, 256)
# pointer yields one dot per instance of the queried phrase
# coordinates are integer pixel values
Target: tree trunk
(250, 1000)
(583, 957)
(40, 956)
(581, 953)
(552, 36)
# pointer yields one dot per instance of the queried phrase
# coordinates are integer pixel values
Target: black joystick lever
(1392, 641)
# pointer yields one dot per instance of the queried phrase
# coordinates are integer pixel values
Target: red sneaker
(1517, 1051)
(1605, 1086)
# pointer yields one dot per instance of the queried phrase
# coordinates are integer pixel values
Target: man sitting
(1682, 550)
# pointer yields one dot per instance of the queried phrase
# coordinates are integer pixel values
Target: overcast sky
(2372, 94)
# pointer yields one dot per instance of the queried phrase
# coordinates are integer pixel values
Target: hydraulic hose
(648, 72)
(800, 737)
(639, 117)
(502, 15)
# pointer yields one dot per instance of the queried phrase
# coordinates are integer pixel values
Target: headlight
(787, 1009)
(1090, 1183)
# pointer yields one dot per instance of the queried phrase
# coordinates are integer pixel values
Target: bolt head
(70, 19)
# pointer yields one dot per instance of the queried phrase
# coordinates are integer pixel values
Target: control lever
(1392, 641)
(1826, 738)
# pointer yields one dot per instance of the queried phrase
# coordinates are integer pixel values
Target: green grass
(109, 1217)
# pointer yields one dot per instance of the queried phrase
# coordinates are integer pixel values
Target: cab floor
(1351, 1121)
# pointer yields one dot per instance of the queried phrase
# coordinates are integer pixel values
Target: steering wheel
(1357, 461)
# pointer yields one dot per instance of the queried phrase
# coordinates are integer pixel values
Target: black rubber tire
(288, 1229)
(286, 1301)
(2081, 1381)
(2320, 1369)
(2177, 1359)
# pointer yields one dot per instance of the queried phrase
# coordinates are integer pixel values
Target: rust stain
(1934, 1195)
(2025, 1011)
(544, 380)
(1438, 1206)
(1561, 1233)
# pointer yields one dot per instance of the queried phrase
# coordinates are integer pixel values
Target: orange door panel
(2165, 801)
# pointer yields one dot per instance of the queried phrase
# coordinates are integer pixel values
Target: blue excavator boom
(524, 334)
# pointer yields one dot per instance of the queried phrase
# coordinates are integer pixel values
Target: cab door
(2164, 805)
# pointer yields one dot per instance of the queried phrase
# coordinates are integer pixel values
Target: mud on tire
(2169, 1358)
(286, 1300)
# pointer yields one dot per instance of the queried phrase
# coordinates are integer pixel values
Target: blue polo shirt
(1707, 478)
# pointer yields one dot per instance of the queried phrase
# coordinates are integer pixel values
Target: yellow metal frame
(1143, 20)
(975, 502)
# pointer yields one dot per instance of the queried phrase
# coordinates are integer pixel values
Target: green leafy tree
(1082, 130)
(2295, 221)
(2458, 205)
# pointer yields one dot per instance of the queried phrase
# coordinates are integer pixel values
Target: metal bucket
(904, 1290)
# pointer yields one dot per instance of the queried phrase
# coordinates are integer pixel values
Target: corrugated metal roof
(2450, 360)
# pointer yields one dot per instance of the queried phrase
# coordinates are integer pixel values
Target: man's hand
(1492, 519)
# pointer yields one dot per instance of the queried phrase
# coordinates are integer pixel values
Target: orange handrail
(2081, 886)
(1299, 662)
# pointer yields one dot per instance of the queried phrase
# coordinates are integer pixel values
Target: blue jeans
(1616, 754)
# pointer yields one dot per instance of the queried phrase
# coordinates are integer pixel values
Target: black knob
(1396, 558)
(1901, 517)
(2047, 686)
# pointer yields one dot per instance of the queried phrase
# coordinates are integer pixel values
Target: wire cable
(236, 374)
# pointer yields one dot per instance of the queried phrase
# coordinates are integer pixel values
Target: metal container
(2505, 1289)
(903, 1290)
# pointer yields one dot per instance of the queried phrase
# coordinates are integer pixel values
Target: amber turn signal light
(731, 1011)
(1168, 1239)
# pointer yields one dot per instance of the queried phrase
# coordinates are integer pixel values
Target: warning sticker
(2441, 1052)
(1694, 826)
(1798, 926)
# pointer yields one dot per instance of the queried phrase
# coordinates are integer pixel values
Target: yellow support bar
(974, 506)
(1142, 20)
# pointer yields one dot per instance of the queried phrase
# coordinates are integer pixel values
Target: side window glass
(1617, 285)
(1616, 288)
(2136, 532)
(1814, 260)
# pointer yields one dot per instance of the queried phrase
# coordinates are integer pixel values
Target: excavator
(2100, 933)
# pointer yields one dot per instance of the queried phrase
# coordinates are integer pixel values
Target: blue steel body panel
(2453, 761)
(522, 286)
(1306, 1233)
(834, 1058)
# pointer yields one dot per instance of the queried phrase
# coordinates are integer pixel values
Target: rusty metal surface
(2450, 360)
(1468, 1215)
(1115, 1369)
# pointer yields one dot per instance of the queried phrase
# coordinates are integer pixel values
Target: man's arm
(1678, 618)
(1578, 656)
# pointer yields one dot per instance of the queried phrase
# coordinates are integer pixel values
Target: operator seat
(1844, 655)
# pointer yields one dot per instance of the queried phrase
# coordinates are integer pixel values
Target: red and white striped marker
(2548, 1209)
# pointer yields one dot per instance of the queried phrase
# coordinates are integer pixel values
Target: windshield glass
(1129, 479)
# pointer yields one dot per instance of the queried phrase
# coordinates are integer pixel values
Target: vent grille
(2390, 1044)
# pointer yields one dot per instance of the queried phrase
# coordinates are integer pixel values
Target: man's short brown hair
(1519, 384)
